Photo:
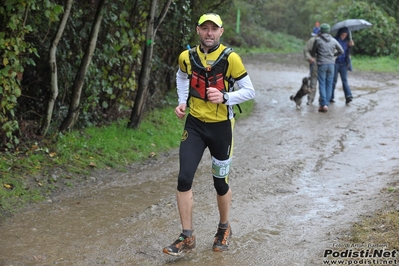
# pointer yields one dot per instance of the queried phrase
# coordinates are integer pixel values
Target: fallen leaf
(34, 147)
(8, 186)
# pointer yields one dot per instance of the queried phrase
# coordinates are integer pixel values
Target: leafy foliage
(112, 77)
(391, 7)
(14, 48)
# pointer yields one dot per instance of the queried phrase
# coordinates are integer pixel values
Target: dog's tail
(292, 97)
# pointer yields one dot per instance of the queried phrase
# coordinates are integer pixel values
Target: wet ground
(300, 180)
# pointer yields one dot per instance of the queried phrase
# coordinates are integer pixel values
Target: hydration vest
(211, 76)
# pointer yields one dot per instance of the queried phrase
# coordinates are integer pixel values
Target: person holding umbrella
(344, 30)
(342, 64)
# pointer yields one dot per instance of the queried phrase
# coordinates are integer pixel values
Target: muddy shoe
(323, 109)
(183, 243)
(348, 100)
(221, 239)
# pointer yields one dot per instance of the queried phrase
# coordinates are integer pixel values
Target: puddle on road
(318, 198)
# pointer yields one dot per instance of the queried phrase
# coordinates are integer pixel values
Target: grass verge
(375, 64)
(383, 226)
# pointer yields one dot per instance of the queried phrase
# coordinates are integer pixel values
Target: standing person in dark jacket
(341, 64)
(325, 48)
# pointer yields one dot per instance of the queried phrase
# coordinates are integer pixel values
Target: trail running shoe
(221, 239)
(183, 243)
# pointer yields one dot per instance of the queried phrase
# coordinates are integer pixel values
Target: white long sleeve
(182, 83)
(245, 92)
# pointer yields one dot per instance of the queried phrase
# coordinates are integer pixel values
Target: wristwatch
(225, 97)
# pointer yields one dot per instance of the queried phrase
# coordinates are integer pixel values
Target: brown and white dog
(305, 89)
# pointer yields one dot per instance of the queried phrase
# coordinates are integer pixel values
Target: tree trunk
(53, 65)
(144, 77)
(73, 112)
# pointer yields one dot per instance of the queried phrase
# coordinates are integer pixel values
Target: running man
(204, 84)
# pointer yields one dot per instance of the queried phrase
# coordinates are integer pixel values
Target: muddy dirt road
(300, 180)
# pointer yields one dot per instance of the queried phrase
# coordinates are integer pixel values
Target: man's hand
(214, 95)
(180, 110)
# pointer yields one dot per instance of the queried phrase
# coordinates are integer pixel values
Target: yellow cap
(215, 18)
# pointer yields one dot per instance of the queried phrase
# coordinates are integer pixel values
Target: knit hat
(215, 18)
(325, 28)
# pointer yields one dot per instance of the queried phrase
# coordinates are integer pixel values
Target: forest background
(75, 74)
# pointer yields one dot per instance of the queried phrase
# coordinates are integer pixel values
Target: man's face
(344, 35)
(209, 34)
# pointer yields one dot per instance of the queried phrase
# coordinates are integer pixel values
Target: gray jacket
(308, 49)
(326, 48)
